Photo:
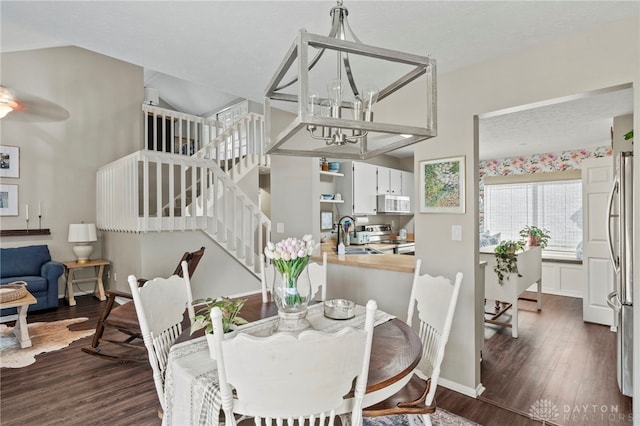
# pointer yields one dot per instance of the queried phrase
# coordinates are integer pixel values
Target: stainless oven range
(382, 234)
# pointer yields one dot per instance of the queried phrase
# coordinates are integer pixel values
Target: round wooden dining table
(395, 352)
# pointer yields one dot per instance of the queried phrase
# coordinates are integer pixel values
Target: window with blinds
(555, 205)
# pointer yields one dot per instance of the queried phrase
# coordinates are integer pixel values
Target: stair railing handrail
(127, 203)
(240, 147)
(185, 135)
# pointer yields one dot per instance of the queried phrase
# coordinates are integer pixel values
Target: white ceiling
(203, 55)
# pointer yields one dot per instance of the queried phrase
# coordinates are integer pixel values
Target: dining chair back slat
(312, 372)
(431, 308)
(435, 299)
(160, 305)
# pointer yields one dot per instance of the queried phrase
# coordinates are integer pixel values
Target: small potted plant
(230, 319)
(535, 236)
(506, 260)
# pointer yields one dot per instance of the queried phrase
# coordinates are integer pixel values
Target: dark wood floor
(69, 387)
(556, 358)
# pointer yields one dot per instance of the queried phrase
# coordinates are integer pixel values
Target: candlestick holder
(27, 224)
(39, 221)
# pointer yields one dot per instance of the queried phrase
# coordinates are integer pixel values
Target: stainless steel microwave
(394, 204)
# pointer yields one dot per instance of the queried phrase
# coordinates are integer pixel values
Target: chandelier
(339, 121)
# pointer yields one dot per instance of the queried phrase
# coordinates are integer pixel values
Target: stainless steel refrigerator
(620, 235)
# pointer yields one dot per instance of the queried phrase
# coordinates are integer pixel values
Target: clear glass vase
(291, 296)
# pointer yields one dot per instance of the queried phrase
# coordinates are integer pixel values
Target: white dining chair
(160, 305)
(287, 376)
(435, 299)
(314, 272)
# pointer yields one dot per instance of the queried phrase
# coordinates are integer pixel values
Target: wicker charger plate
(14, 291)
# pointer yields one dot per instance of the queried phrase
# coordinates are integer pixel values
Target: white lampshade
(83, 234)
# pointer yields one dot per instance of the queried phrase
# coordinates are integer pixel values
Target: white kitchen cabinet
(389, 181)
(358, 188)
(395, 182)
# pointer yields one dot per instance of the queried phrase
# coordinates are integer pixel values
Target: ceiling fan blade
(33, 109)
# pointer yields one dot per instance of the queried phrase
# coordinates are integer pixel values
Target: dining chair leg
(426, 419)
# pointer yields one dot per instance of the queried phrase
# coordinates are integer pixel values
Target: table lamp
(83, 234)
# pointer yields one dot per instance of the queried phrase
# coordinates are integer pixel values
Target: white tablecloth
(191, 380)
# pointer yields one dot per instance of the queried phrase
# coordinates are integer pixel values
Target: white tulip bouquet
(290, 256)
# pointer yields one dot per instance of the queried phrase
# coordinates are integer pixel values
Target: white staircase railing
(239, 148)
(236, 150)
(155, 191)
(176, 132)
(185, 178)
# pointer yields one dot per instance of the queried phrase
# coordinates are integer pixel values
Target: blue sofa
(33, 265)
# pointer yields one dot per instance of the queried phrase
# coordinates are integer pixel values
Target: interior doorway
(555, 360)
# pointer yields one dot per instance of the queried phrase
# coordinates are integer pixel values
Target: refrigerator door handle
(614, 259)
(613, 302)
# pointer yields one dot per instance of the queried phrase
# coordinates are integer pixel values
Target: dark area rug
(439, 418)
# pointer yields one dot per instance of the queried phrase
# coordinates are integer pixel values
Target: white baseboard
(465, 390)
(557, 292)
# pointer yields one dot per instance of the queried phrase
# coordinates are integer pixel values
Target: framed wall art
(326, 221)
(442, 185)
(8, 200)
(9, 161)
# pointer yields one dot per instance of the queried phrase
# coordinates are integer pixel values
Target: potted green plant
(506, 259)
(230, 318)
(628, 136)
(535, 236)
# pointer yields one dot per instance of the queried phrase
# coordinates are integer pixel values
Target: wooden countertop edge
(385, 262)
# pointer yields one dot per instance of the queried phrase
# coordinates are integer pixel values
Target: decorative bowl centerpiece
(339, 309)
(327, 196)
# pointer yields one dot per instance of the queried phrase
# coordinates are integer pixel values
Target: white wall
(156, 254)
(295, 196)
(59, 160)
(601, 58)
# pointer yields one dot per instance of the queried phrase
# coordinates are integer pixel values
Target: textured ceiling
(203, 55)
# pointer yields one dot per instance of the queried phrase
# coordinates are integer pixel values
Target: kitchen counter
(389, 262)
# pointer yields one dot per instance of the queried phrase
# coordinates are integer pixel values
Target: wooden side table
(72, 266)
(20, 329)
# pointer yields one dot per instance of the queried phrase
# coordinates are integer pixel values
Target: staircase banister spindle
(241, 140)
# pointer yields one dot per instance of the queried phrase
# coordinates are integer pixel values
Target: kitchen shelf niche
(335, 174)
